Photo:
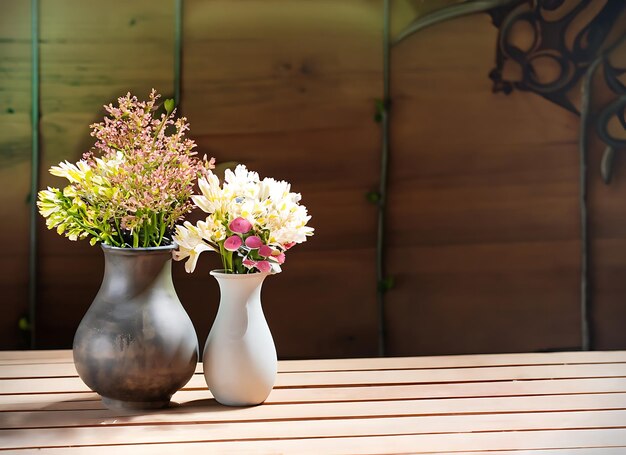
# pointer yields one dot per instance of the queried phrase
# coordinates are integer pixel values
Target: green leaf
(373, 197)
(169, 105)
(386, 284)
(23, 324)
(380, 111)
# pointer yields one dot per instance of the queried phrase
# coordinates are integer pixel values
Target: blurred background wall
(483, 226)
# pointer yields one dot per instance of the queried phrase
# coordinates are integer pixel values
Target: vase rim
(221, 273)
(151, 249)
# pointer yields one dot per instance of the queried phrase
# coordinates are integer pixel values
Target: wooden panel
(91, 53)
(483, 216)
(501, 414)
(73, 401)
(292, 429)
(579, 442)
(483, 211)
(607, 229)
(15, 148)
(348, 378)
(288, 88)
(44, 363)
(208, 410)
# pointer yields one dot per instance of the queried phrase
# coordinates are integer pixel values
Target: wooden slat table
(540, 404)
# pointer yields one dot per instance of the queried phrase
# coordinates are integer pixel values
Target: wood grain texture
(362, 378)
(72, 401)
(15, 149)
(543, 416)
(483, 223)
(483, 218)
(43, 362)
(290, 429)
(607, 228)
(288, 88)
(579, 442)
(90, 55)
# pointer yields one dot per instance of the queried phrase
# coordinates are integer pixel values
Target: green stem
(156, 136)
(162, 227)
(223, 256)
(119, 231)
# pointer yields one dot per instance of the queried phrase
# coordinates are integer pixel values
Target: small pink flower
(289, 245)
(249, 263)
(233, 243)
(280, 258)
(263, 266)
(240, 225)
(265, 251)
(254, 242)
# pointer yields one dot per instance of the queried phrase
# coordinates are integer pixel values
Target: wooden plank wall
(91, 53)
(288, 88)
(484, 240)
(15, 139)
(607, 213)
(483, 220)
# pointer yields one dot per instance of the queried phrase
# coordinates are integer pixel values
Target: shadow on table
(206, 404)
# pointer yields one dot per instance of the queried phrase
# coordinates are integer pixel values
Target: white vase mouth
(222, 273)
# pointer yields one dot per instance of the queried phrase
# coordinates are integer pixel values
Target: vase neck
(134, 271)
(240, 289)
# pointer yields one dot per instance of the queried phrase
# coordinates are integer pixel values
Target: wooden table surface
(540, 404)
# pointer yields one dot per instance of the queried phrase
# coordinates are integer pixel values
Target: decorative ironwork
(571, 37)
(614, 110)
(454, 12)
(564, 37)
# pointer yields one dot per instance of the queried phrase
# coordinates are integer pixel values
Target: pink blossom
(264, 266)
(265, 251)
(289, 245)
(280, 258)
(240, 225)
(254, 242)
(157, 166)
(233, 243)
(249, 263)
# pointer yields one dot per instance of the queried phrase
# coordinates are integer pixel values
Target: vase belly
(136, 345)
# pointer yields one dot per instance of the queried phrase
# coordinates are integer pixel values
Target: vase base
(238, 404)
(121, 405)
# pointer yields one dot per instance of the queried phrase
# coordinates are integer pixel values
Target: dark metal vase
(136, 345)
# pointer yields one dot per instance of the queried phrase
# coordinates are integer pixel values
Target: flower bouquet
(136, 345)
(135, 183)
(251, 223)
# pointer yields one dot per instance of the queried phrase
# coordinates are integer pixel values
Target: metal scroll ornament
(564, 38)
(555, 47)
(574, 39)
(615, 110)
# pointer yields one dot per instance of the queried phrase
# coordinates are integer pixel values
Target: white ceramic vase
(239, 355)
